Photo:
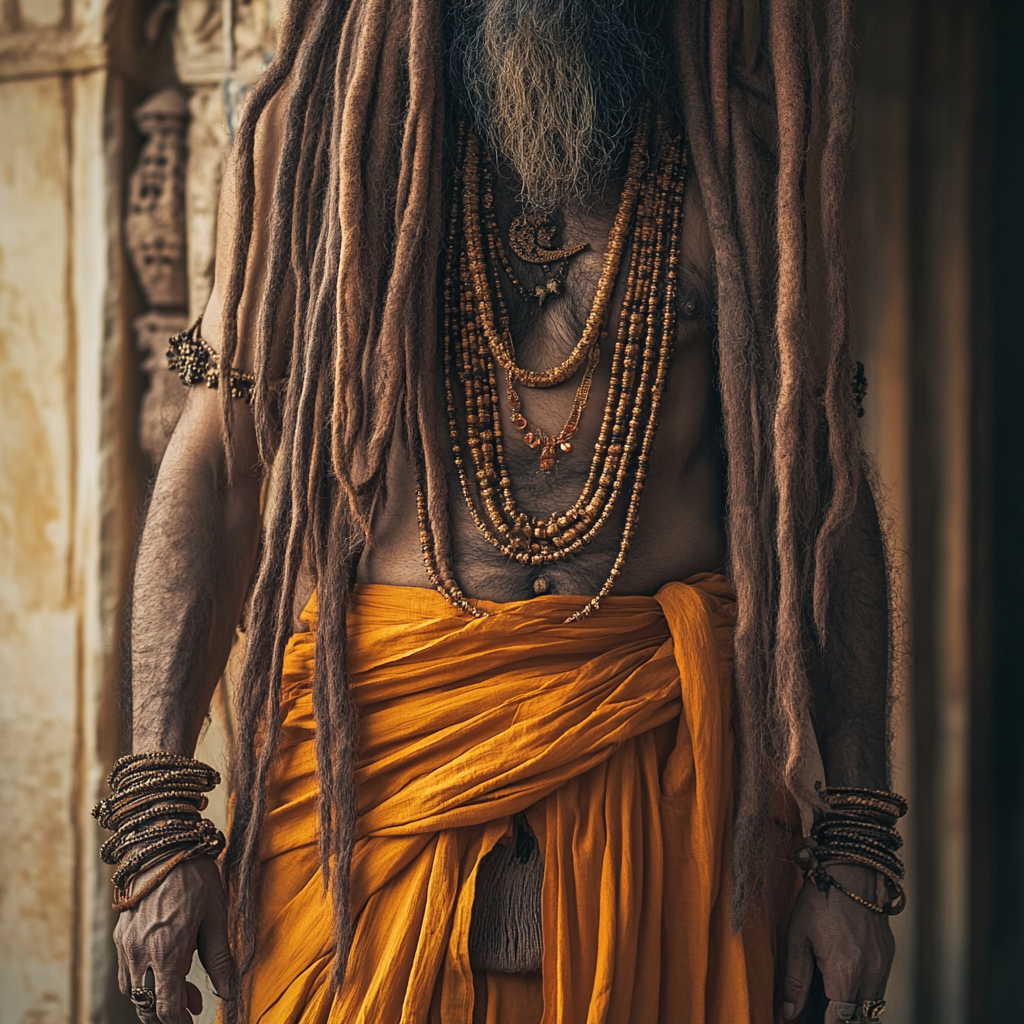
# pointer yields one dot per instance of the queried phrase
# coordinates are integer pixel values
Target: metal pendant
(532, 238)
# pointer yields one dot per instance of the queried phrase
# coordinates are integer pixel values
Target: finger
(124, 980)
(131, 965)
(840, 1011)
(841, 971)
(875, 973)
(170, 997)
(193, 998)
(143, 994)
(873, 983)
(215, 952)
(799, 972)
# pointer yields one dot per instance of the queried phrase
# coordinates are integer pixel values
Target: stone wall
(65, 488)
(85, 407)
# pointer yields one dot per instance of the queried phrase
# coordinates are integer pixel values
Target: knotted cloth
(611, 734)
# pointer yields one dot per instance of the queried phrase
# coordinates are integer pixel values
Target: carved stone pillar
(155, 236)
(155, 222)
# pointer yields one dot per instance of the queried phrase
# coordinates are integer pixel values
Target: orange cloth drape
(612, 734)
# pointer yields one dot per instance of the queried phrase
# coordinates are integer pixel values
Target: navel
(540, 585)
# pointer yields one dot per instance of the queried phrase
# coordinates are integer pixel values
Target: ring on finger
(872, 1009)
(144, 1000)
(144, 997)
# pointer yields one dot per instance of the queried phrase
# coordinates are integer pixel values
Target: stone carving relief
(220, 48)
(155, 224)
(156, 240)
(200, 43)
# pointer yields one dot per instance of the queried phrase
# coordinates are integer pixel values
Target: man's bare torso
(680, 531)
(200, 546)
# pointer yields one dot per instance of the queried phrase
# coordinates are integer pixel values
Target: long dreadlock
(355, 232)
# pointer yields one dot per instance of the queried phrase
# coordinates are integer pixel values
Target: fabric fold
(612, 735)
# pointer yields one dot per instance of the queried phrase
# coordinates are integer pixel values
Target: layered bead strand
(478, 343)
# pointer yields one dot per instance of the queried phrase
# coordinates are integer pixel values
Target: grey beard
(552, 86)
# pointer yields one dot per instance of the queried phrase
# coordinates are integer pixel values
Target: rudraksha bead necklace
(480, 284)
(477, 344)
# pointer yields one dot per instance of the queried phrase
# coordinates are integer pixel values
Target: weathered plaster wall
(69, 483)
(72, 469)
(55, 277)
(38, 618)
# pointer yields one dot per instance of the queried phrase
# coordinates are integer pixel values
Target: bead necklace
(478, 213)
(481, 282)
(474, 350)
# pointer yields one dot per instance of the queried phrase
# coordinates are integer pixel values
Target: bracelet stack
(859, 827)
(154, 810)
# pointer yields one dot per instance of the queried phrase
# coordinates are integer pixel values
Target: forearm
(850, 679)
(194, 565)
(842, 933)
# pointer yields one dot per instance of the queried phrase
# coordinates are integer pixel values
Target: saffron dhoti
(611, 734)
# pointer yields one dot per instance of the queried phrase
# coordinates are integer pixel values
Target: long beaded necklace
(478, 221)
(650, 221)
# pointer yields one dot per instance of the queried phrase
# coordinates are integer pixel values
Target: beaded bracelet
(158, 849)
(859, 827)
(154, 810)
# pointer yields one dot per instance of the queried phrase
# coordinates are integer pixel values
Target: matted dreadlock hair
(356, 232)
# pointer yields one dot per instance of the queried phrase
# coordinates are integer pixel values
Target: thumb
(215, 953)
(799, 973)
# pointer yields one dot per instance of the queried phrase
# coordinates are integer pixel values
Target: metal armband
(195, 362)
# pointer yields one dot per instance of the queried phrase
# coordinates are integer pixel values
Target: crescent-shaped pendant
(531, 237)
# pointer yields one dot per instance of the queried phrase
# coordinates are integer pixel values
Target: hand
(185, 912)
(852, 946)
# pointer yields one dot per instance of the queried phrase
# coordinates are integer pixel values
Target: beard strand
(552, 86)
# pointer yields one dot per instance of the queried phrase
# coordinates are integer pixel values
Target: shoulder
(235, 193)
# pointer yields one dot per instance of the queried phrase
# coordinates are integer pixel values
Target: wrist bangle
(154, 810)
(859, 828)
